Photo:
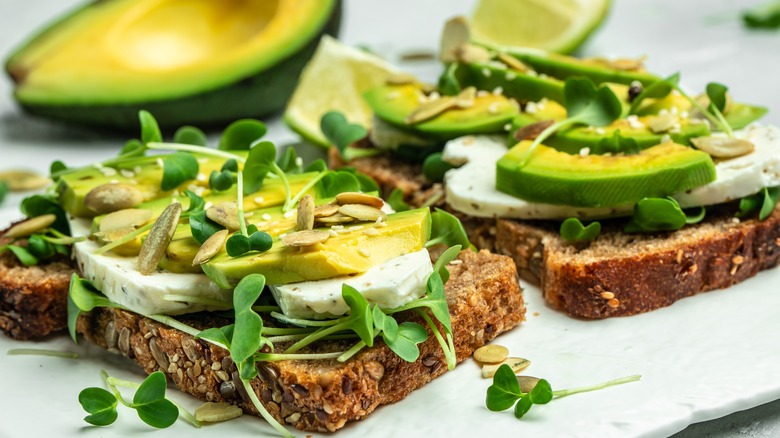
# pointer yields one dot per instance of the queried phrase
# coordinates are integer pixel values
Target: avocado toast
(612, 188)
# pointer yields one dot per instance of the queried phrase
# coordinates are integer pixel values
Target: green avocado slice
(554, 177)
(187, 62)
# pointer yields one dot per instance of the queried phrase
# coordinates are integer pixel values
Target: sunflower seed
(30, 226)
(723, 147)
(513, 63)
(225, 214)
(23, 180)
(627, 64)
(107, 198)
(305, 238)
(336, 218)
(455, 34)
(516, 363)
(305, 220)
(465, 99)
(325, 210)
(491, 354)
(430, 109)
(210, 412)
(362, 212)
(359, 198)
(400, 79)
(472, 54)
(156, 243)
(527, 383)
(210, 247)
(127, 218)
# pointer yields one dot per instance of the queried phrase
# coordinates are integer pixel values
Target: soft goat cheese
(470, 188)
(391, 284)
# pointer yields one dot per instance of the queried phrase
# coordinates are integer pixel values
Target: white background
(702, 358)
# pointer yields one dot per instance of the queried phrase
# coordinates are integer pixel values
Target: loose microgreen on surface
(765, 16)
(586, 104)
(572, 230)
(505, 392)
(100, 404)
(150, 402)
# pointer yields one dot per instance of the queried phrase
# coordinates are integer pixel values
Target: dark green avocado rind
(516, 85)
(254, 96)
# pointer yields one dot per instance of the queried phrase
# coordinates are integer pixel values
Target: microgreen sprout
(505, 391)
(446, 229)
(765, 16)
(586, 104)
(764, 202)
(83, 297)
(434, 167)
(572, 230)
(190, 135)
(656, 90)
(396, 200)
(342, 135)
(3, 190)
(248, 238)
(714, 112)
(42, 352)
(660, 214)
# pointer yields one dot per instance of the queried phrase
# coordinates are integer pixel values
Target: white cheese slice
(471, 188)
(741, 176)
(393, 283)
(119, 279)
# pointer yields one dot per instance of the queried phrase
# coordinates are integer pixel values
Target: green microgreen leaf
(434, 167)
(697, 217)
(409, 335)
(260, 241)
(202, 227)
(656, 214)
(56, 168)
(366, 184)
(133, 148)
(765, 16)
(150, 130)
(259, 164)
(178, 168)
(241, 135)
(396, 200)
(617, 144)
(434, 299)
(190, 135)
(230, 165)
(22, 254)
(83, 297)
(339, 132)
(318, 165)
(523, 406)
(441, 263)
(385, 324)
(220, 335)
(40, 247)
(504, 391)
(446, 229)
(572, 230)
(247, 336)
(717, 94)
(585, 104)
(290, 162)
(764, 202)
(3, 190)
(100, 404)
(221, 180)
(542, 392)
(656, 90)
(237, 245)
(197, 203)
(337, 182)
(38, 205)
(151, 405)
(449, 84)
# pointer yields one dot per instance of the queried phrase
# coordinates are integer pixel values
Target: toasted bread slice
(484, 299)
(619, 274)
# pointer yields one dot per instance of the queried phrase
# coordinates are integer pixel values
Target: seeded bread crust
(619, 274)
(484, 298)
(33, 300)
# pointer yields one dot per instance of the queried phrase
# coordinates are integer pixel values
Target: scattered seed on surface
(30, 226)
(210, 247)
(23, 180)
(516, 363)
(305, 219)
(156, 243)
(491, 354)
(359, 198)
(305, 238)
(210, 412)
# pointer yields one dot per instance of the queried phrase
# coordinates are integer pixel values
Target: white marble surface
(702, 39)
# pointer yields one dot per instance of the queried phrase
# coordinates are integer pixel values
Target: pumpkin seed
(359, 198)
(516, 363)
(107, 198)
(430, 109)
(23, 180)
(31, 226)
(513, 63)
(472, 54)
(127, 218)
(211, 412)
(491, 354)
(210, 247)
(627, 64)
(305, 238)
(225, 214)
(337, 218)
(113, 235)
(362, 212)
(465, 99)
(723, 147)
(456, 33)
(527, 383)
(156, 243)
(325, 210)
(662, 123)
(305, 220)
(530, 132)
(400, 79)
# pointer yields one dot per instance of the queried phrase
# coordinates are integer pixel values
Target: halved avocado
(488, 114)
(554, 177)
(197, 62)
(571, 140)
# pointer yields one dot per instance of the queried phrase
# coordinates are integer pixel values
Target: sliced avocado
(344, 254)
(490, 76)
(394, 103)
(572, 140)
(198, 63)
(554, 177)
(737, 114)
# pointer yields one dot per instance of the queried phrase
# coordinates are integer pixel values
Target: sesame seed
(201, 177)
(207, 205)
(393, 95)
(266, 217)
(456, 262)
(371, 232)
(532, 73)
(685, 114)
(531, 108)
(159, 162)
(337, 227)
(498, 91)
(738, 260)
(259, 200)
(510, 75)
(735, 220)
(485, 72)
(508, 127)
(355, 228)
(493, 108)
(482, 93)
(137, 169)
(333, 233)
(364, 252)
(298, 161)
(600, 131)
(127, 173)
(584, 152)
(289, 214)
(434, 95)
(381, 224)
(108, 171)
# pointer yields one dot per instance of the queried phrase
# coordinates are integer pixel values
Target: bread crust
(484, 298)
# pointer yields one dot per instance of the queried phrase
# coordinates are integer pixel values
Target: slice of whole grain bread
(618, 274)
(484, 299)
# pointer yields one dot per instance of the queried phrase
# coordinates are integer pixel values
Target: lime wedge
(555, 25)
(334, 80)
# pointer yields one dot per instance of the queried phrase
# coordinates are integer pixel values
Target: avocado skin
(254, 96)
(562, 67)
